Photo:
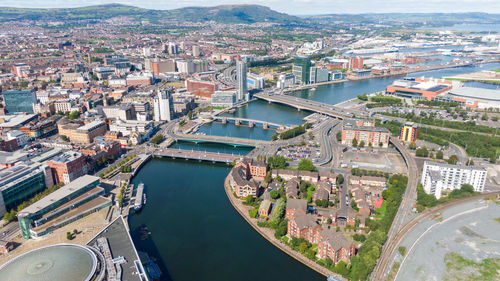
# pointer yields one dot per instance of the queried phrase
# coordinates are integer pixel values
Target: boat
(144, 199)
(138, 197)
(313, 89)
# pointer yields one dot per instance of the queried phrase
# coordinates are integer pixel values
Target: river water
(197, 235)
(195, 232)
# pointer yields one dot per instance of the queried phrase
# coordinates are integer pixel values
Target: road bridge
(218, 139)
(314, 106)
(248, 122)
(196, 155)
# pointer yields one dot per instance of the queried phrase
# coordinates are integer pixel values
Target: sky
(293, 7)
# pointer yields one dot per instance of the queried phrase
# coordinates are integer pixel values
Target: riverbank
(268, 234)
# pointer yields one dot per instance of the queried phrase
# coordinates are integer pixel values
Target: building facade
(437, 177)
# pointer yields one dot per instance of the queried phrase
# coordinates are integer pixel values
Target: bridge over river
(196, 155)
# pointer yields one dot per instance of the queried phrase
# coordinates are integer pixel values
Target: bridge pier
(251, 124)
(265, 125)
(237, 122)
(224, 121)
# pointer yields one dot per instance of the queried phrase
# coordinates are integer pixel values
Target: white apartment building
(437, 177)
(162, 106)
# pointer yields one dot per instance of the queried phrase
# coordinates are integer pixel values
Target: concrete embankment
(268, 234)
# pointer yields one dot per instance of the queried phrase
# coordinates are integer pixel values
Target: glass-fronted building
(19, 101)
(301, 69)
(21, 182)
(65, 201)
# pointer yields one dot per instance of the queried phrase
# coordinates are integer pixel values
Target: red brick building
(68, 166)
(333, 245)
(201, 88)
(255, 168)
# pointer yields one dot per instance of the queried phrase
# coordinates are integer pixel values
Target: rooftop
(56, 263)
(59, 194)
(477, 93)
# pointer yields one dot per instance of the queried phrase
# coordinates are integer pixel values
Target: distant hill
(223, 14)
(429, 18)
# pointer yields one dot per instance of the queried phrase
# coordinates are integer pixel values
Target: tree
(303, 247)
(412, 145)
(329, 221)
(361, 144)
(422, 152)
(452, 160)
(190, 115)
(277, 162)
(268, 177)
(74, 115)
(439, 154)
(274, 137)
(469, 162)
(339, 136)
(274, 194)
(493, 159)
(69, 236)
(306, 165)
(485, 117)
(494, 118)
(340, 179)
(341, 268)
(354, 142)
(75, 231)
(249, 199)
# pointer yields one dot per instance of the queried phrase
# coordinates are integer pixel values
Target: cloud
(294, 7)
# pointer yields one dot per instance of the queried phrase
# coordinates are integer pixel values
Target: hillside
(222, 14)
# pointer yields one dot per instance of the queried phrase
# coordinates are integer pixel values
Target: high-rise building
(146, 52)
(356, 63)
(241, 74)
(173, 48)
(162, 106)
(408, 132)
(196, 51)
(441, 176)
(301, 68)
(319, 75)
(255, 81)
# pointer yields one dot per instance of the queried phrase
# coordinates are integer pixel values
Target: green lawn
(381, 211)
(496, 70)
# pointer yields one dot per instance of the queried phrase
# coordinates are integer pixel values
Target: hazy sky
(294, 7)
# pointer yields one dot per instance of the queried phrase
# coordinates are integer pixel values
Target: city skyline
(295, 7)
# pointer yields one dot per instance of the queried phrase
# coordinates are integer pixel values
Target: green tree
(354, 142)
(361, 144)
(274, 194)
(452, 160)
(340, 179)
(306, 165)
(439, 154)
(422, 152)
(341, 268)
(412, 145)
(69, 236)
(74, 115)
(339, 136)
(268, 177)
(249, 199)
(485, 117)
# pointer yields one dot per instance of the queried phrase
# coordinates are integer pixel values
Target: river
(196, 233)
